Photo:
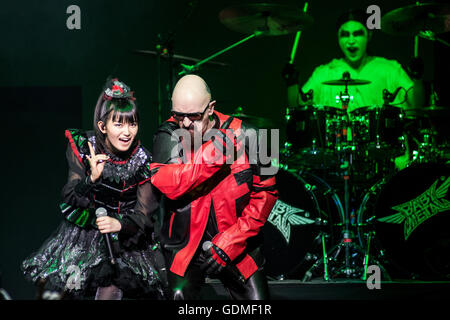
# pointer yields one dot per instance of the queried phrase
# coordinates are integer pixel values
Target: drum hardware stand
(188, 69)
(346, 242)
(325, 259)
(366, 257)
(309, 273)
(163, 47)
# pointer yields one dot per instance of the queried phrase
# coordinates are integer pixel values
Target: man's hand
(290, 74)
(216, 260)
(416, 68)
(221, 148)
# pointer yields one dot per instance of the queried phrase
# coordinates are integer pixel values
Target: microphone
(389, 97)
(308, 96)
(206, 246)
(101, 212)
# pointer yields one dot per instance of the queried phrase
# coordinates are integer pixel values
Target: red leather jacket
(236, 196)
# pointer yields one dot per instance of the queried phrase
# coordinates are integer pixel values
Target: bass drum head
(412, 222)
(293, 227)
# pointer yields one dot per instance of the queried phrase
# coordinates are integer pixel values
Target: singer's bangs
(124, 112)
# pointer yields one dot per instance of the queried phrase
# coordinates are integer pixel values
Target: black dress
(75, 258)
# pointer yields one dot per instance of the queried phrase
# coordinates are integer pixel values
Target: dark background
(51, 76)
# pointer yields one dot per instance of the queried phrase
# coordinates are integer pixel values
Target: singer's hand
(107, 224)
(221, 149)
(214, 263)
(96, 162)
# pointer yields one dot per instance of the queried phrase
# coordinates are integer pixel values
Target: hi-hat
(266, 18)
(416, 19)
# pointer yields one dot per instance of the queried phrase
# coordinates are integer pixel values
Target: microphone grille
(206, 245)
(101, 212)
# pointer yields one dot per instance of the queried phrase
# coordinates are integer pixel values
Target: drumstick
(416, 40)
(297, 38)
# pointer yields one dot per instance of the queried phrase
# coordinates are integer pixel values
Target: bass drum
(306, 205)
(409, 215)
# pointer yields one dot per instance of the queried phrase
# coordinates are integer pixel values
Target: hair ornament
(116, 89)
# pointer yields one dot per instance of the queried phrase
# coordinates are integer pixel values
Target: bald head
(191, 94)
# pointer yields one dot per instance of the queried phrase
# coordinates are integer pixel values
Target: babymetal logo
(283, 216)
(415, 212)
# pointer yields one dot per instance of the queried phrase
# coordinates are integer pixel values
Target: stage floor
(343, 289)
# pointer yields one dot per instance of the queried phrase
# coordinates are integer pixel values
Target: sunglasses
(194, 116)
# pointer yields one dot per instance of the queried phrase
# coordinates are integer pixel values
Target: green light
(325, 259)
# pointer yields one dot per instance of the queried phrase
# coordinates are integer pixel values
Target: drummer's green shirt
(383, 74)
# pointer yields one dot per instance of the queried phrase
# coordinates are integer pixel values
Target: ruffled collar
(119, 169)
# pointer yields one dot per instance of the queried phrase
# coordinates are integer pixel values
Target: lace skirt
(75, 260)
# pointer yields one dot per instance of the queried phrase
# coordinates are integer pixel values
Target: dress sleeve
(139, 222)
(76, 194)
(76, 191)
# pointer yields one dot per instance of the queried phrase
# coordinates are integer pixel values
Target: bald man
(215, 201)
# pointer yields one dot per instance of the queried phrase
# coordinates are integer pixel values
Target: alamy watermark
(74, 280)
(374, 20)
(74, 20)
(373, 281)
(225, 147)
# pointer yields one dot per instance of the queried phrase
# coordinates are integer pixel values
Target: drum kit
(344, 202)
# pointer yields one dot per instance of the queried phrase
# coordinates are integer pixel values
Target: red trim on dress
(73, 146)
(171, 223)
(125, 161)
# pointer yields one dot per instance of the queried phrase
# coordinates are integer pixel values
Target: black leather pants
(189, 286)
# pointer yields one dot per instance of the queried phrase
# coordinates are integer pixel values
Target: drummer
(353, 38)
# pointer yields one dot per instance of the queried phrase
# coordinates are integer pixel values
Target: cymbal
(177, 57)
(335, 111)
(428, 112)
(416, 18)
(349, 82)
(268, 18)
(259, 122)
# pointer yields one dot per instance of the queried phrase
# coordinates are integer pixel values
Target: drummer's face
(353, 38)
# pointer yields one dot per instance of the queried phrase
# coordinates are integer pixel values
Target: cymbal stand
(164, 48)
(347, 236)
(430, 35)
(346, 244)
(188, 69)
